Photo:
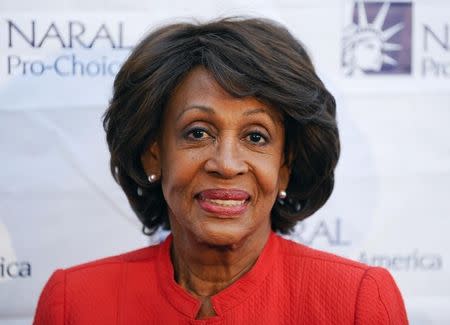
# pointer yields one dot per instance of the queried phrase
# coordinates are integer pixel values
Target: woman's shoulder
(99, 280)
(327, 271)
(325, 278)
(107, 267)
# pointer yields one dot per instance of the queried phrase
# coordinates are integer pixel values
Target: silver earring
(152, 178)
(139, 191)
(282, 195)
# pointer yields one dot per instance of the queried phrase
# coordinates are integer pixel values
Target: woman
(222, 133)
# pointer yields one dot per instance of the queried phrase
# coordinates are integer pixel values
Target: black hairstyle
(247, 57)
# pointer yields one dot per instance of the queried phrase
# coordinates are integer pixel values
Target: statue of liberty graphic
(365, 44)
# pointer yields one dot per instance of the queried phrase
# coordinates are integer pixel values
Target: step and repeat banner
(387, 63)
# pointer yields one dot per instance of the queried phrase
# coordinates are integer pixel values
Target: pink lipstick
(224, 202)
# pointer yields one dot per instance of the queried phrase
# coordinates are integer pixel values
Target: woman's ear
(151, 159)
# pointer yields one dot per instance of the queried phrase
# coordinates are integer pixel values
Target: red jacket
(289, 284)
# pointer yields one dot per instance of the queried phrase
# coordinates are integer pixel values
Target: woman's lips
(224, 202)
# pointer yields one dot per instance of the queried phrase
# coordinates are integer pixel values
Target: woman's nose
(226, 159)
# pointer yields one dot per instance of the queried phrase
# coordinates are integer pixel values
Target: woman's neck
(205, 270)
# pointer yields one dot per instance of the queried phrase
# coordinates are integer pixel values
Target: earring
(282, 195)
(152, 178)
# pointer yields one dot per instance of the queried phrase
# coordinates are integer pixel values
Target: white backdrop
(388, 65)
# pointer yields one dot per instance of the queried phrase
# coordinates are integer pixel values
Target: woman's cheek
(267, 176)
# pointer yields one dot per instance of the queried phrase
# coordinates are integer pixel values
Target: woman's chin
(225, 236)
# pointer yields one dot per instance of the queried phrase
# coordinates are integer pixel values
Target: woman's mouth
(223, 202)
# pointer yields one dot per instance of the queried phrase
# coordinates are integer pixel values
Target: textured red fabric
(289, 284)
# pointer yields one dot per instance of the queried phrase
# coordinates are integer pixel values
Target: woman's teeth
(226, 203)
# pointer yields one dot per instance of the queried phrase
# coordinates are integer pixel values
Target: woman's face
(221, 162)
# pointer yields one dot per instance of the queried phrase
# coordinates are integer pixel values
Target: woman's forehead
(200, 90)
(199, 82)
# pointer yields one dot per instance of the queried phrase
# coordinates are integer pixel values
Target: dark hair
(247, 57)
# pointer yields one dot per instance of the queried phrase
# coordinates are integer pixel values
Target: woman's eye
(256, 137)
(197, 134)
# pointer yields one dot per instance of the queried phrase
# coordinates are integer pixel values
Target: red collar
(231, 296)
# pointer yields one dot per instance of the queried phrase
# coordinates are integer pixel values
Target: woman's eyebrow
(202, 108)
(255, 111)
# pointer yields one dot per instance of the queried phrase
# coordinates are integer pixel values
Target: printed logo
(377, 38)
(52, 57)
